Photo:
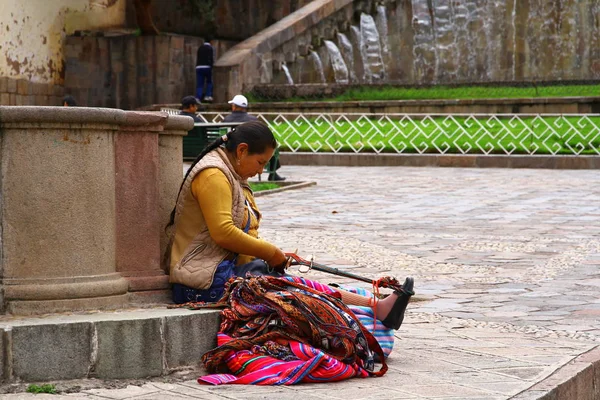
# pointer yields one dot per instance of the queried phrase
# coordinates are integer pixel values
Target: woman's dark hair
(255, 134)
(70, 100)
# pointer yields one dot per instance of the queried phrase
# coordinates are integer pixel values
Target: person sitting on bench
(189, 107)
(239, 113)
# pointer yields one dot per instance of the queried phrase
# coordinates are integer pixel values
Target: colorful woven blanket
(278, 331)
(273, 364)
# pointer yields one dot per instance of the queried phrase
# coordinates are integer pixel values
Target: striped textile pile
(283, 331)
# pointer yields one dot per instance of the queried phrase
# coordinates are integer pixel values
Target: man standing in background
(204, 64)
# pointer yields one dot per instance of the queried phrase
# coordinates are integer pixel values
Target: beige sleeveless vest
(198, 263)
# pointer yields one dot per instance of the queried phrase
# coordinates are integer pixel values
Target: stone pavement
(506, 261)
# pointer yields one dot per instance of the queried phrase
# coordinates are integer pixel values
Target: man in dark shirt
(189, 107)
(204, 65)
(239, 113)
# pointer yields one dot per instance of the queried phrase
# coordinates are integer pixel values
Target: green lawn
(475, 92)
(257, 187)
(369, 93)
(489, 134)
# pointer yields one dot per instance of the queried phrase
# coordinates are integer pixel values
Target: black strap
(247, 228)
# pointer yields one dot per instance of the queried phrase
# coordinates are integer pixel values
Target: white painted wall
(32, 33)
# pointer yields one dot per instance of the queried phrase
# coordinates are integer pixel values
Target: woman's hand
(278, 260)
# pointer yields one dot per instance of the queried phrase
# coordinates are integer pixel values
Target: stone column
(57, 209)
(227, 78)
(136, 200)
(148, 172)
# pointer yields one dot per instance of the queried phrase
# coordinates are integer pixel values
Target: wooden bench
(203, 134)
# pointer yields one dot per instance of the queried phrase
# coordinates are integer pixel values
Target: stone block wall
(543, 105)
(232, 19)
(258, 59)
(415, 42)
(22, 92)
(129, 71)
(132, 344)
(548, 105)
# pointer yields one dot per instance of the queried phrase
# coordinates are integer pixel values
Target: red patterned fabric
(263, 366)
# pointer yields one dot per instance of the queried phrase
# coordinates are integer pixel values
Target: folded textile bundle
(279, 331)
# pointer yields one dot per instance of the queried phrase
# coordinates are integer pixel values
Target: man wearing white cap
(239, 113)
(239, 110)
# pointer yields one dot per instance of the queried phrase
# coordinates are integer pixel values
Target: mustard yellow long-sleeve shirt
(213, 198)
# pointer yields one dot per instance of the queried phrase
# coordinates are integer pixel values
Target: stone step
(134, 343)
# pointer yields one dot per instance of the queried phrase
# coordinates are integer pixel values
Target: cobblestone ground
(513, 248)
(505, 261)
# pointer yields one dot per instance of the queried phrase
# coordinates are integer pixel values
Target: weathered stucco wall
(33, 32)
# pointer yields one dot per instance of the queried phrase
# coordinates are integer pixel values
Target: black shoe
(276, 177)
(396, 316)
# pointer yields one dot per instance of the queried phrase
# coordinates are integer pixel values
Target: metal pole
(336, 271)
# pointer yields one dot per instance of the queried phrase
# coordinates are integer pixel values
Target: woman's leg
(381, 308)
(390, 311)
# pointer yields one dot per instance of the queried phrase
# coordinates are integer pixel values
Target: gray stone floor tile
(41, 396)
(487, 397)
(525, 373)
(277, 396)
(190, 392)
(126, 393)
(445, 390)
(165, 395)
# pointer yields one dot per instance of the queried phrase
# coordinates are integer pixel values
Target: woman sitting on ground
(216, 224)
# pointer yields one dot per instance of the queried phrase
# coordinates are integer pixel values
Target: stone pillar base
(147, 297)
(148, 289)
(39, 296)
(158, 281)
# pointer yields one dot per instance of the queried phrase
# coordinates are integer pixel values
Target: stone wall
(419, 42)
(277, 95)
(254, 61)
(234, 20)
(129, 71)
(570, 105)
(23, 92)
(501, 40)
(240, 19)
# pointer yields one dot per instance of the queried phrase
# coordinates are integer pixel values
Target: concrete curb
(441, 160)
(287, 186)
(108, 345)
(579, 379)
